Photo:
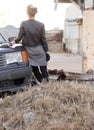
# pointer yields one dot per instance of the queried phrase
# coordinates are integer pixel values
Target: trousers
(40, 72)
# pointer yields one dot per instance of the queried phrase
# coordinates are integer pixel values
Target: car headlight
(13, 57)
(16, 57)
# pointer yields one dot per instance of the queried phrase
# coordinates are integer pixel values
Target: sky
(13, 12)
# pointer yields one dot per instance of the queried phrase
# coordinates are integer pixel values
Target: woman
(32, 34)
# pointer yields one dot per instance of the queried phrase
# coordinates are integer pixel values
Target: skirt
(37, 55)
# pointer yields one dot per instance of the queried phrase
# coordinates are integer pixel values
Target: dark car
(14, 67)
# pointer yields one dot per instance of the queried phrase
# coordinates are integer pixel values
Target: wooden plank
(74, 76)
(81, 77)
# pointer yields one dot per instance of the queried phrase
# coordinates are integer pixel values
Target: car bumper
(15, 72)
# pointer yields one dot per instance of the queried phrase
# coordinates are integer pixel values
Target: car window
(2, 40)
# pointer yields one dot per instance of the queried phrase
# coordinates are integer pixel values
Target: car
(15, 71)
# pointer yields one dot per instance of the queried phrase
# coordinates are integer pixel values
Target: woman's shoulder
(35, 22)
(25, 22)
(22, 23)
(39, 23)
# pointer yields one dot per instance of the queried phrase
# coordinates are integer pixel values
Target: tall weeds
(57, 106)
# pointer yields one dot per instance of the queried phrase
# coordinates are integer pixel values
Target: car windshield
(2, 40)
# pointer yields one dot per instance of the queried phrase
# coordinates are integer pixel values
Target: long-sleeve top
(32, 33)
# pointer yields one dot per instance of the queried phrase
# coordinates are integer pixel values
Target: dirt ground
(65, 61)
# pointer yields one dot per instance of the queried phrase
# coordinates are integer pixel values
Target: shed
(87, 8)
(73, 29)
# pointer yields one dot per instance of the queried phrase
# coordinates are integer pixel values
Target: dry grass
(57, 106)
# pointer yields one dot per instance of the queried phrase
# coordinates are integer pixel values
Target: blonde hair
(31, 10)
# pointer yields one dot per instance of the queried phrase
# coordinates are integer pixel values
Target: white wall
(88, 40)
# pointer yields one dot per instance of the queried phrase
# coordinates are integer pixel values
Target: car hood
(9, 49)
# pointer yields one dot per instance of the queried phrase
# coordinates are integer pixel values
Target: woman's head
(31, 10)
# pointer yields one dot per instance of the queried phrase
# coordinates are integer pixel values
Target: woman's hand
(13, 42)
(47, 56)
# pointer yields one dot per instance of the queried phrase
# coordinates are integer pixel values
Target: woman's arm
(20, 35)
(43, 39)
